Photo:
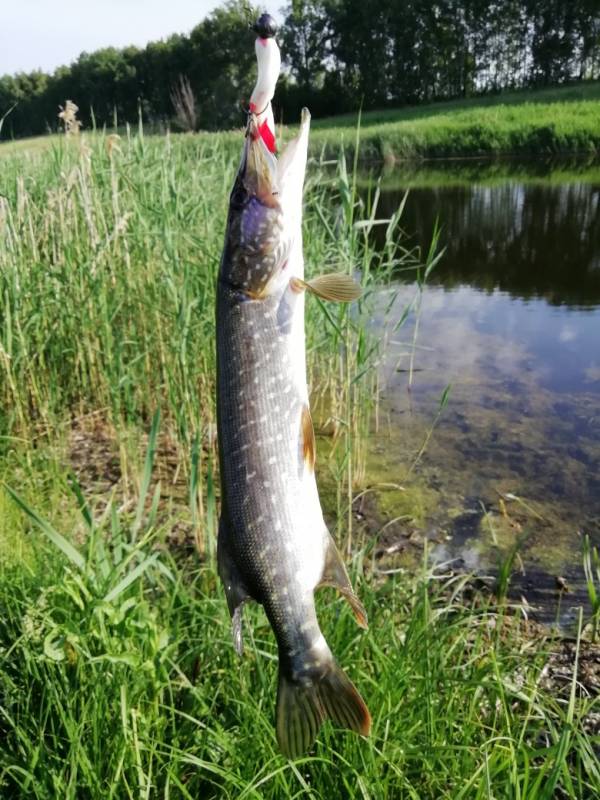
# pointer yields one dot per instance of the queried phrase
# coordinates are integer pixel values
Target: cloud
(567, 334)
(592, 374)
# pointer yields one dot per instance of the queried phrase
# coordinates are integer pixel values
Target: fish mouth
(258, 169)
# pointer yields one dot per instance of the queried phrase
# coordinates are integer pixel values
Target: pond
(510, 321)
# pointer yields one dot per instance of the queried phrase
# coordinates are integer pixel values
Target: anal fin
(235, 589)
(336, 575)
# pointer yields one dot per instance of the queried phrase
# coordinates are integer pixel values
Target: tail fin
(301, 709)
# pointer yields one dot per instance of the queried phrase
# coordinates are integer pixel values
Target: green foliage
(544, 122)
(121, 289)
(340, 55)
(380, 53)
(564, 120)
(114, 86)
(591, 568)
(112, 298)
(108, 256)
(118, 679)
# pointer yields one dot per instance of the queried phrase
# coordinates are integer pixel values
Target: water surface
(510, 319)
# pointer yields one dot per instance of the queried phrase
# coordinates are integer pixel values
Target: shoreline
(563, 121)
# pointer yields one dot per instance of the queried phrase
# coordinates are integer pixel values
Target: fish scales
(273, 544)
(266, 497)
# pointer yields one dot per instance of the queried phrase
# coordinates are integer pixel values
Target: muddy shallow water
(510, 320)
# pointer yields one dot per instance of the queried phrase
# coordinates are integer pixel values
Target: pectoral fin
(235, 590)
(339, 287)
(336, 575)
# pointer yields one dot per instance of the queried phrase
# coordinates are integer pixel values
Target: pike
(273, 544)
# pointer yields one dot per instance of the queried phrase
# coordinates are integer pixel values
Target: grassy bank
(108, 257)
(117, 673)
(542, 122)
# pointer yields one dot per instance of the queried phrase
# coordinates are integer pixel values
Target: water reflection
(511, 319)
(523, 408)
(530, 240)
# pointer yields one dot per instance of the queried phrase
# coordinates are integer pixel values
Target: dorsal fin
(309, 447)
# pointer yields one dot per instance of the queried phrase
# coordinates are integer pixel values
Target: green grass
(117, 673)
(549, 121)
(531, 122)
(29, 145)
(118, 679)
(108, 259)
(573, 93)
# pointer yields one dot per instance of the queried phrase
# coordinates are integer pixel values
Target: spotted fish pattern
(273, 545)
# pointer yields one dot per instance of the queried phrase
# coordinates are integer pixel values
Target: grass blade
(130, 578)
(147, 476)
(53, 535)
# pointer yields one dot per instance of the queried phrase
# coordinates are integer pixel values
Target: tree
(339, 54)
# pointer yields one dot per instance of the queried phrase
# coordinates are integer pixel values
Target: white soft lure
(268, 59)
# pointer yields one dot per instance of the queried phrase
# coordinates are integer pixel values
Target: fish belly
(272, 515)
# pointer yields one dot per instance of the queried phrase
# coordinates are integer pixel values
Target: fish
(273, 544)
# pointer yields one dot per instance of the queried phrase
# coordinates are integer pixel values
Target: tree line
(338, 54)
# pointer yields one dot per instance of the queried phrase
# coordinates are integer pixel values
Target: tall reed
(108, 255)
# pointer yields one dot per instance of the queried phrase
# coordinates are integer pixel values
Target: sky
(43, 34)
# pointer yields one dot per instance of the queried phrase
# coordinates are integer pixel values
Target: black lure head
(265, 26)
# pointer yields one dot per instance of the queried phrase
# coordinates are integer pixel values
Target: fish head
(265, 215)
(256, 243)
